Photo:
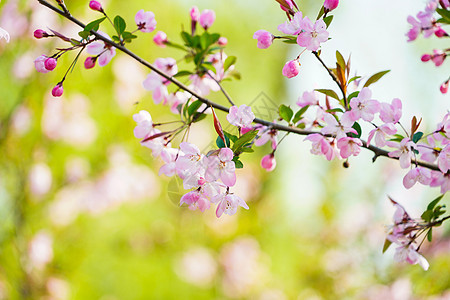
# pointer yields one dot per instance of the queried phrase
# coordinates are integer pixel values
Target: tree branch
(377, 151)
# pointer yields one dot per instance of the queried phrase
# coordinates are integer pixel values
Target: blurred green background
(84, 215)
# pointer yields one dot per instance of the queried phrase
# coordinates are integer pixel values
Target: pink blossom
(321, 145)
(228, 204)
(391, 113)
(191, 162)
(380, 134)
(409, 254)
(39, 64)
(89, 63)
(414, 32)
(267, 135)
(195, 200)
(418, 174)
(145, 21)
(241, 117)
(58, 90)
(425, 57)
(144, 127)
(169, 155)
(156, 83)
(156, 144)
(50, 63)
(160, 39)
(223, 41)
(174, 100)
(404, 152)
(195, 14)
(441, 180)
(207, 18)
(349, 146)
(291, 68)
(95, 5)
(363, 107)
(428, 152)
(268, 162)
(444, 87)
(338, 129)
(329, 5)
(439, 32)
(221, 166)
(265, 39)
(312, 34)
(444, 159)
(39, 34)
(294, 26)
(104, 51)
(204, 84)
(308, 98)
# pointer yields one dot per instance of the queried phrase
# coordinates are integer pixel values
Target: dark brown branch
(377, 151)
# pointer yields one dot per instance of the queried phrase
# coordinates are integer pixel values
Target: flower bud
(268, 162)
(440, 32)
(207, 18)
(195, 14)
(95, 5)
(39, 34)
(57, 90)
(329, 5)
(425, 57)
(89, 63)
(444, 87)
(160, 39)
(223, 41)
(265, 39)
(39, 64)
(50, 63)
(291, 68)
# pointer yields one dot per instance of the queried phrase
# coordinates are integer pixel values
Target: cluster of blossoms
(301, 29)
(100, 50)
(426, 24)
(209, 177)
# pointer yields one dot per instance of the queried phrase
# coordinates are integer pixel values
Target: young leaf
(358, 129)
(374, 78)
(243, 140)
(94, 25)
(444, 13)
(285, 113)
(194, 107)
(417, 136)
(187, 38)
(232, 137)
(84, 34)
(231, 60)
(430, 234)
(353, 78)
(237, 163)
(352, 95)
(182, 73)
(119, 24)
(434, 202)
(330, 93)
(386, 245)
(198, 117)
(328, 20)
(299, 114)
(340, 60)
(221, 144)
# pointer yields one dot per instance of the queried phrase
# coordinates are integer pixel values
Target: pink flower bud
(425, 57)
(440, 32)
(222, 41)
(207, 18)
(268, 162)
(89, 63)
(438, 57)
(39, 34)
(160, 39)
(444, 87)
(95, 5)
(330, 4)
(39, 64)
(58, 90)
(264, 38)
(195, 14)
(50, 63)
(291, 68)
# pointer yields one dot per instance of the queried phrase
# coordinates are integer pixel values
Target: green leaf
(231, 60)
(116, 38)
(213, 38)
(174, 45)
(434, 202)
(289, 41)
(335, 110)
(235, 74)
(330, 93)
(353, 79)
(358, 129)
(321, 13)
(417, 136)
(198, 117)
(352, 95)
(285, 113)
(84, 34)
(443, 21)
(187, 38)
(299, 114)
(430, 234)
(119, 24)
(220, 143)
(248, 150)
(328, 20)
(374, 78)
(427, 215)
(386, 245)
(128, 35)
(340, 60)
(238, 164)
(194, 107)
(232, 137)
(444, 13)
(209, 66)
(243, 140)
(94, 25)
(204, 40)
(182, 73)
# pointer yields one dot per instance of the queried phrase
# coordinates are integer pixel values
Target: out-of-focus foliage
(83, 214)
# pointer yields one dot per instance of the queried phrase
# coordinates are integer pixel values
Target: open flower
(241, 117)
(221, 166)
(265, 39)
(145, 21)
(312, 34)
(294, 26)
(228, 204)
(418, 174)
(404, 152)
(363, 107)
(105, 52)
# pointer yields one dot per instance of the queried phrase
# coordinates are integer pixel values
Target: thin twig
(377, 151)
(222, 89)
